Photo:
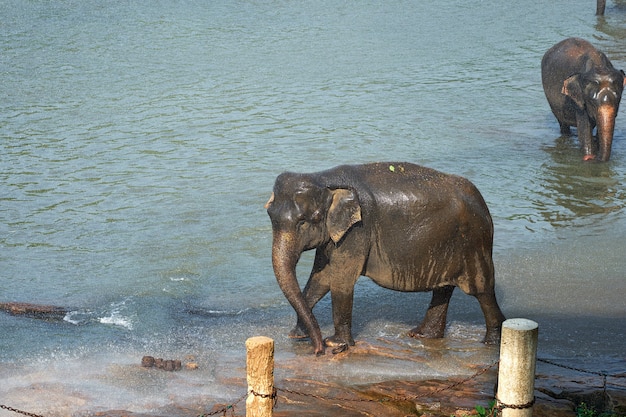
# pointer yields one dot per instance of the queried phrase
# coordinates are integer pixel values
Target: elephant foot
(336, 341)
(492, 337)
(298, 333)
(421, 332)
(338, 344)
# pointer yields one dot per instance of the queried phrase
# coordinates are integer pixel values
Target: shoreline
(427, 398)
(306, 386)
(381, 375)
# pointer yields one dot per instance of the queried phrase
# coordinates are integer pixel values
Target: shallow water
(140, 140)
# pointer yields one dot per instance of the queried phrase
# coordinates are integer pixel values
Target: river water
(140, 140)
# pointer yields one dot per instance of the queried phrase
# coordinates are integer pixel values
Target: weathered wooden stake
(260, 374)
(516, 377)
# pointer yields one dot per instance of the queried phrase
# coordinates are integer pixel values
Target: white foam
(69, 317)
(117, 321)
(178, 279)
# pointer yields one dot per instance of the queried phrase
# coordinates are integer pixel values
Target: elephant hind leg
(434, 324)
(493, 317)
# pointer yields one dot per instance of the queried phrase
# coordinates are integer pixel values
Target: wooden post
(260, 370)
(516, 377)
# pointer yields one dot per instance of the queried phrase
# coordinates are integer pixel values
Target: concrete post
(516, 376)
(260, 375)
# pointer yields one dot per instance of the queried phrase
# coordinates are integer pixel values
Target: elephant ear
(573, 89)
(344, 212)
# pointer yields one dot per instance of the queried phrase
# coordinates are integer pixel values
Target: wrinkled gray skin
(583, 90)
(407, 227)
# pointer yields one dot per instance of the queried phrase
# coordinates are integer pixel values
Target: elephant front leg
(312, 297)
(565, 129)
(314, 291)
(434, 324)
(343, 275)
(342, 317)
(588, 142)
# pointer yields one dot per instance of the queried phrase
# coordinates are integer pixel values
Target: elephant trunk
(285, 256)
(606, 126)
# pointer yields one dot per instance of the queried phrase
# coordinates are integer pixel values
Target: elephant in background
(407, 227)
(601, 5)
(583, 90)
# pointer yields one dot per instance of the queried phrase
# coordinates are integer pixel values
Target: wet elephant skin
(584, 90)
(407, 227)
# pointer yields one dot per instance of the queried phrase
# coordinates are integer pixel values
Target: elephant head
(598, 91)
(306, 215)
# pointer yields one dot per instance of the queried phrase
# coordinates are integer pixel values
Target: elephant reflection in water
(615, 30)
(572, 192)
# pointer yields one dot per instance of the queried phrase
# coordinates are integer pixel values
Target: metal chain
(571, 368)
(223, 410)
(501, 406)
(463, 381)
(604, 375)
(15, 410)
(273, 396)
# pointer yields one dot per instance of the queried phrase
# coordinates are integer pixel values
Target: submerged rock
(38, 311)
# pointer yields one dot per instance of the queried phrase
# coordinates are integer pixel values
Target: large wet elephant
(407, 227)
(583, 90)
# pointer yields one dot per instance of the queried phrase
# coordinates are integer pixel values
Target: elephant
(583, 90)
(407, 227)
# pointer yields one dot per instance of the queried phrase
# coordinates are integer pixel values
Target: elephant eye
(316, 217)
